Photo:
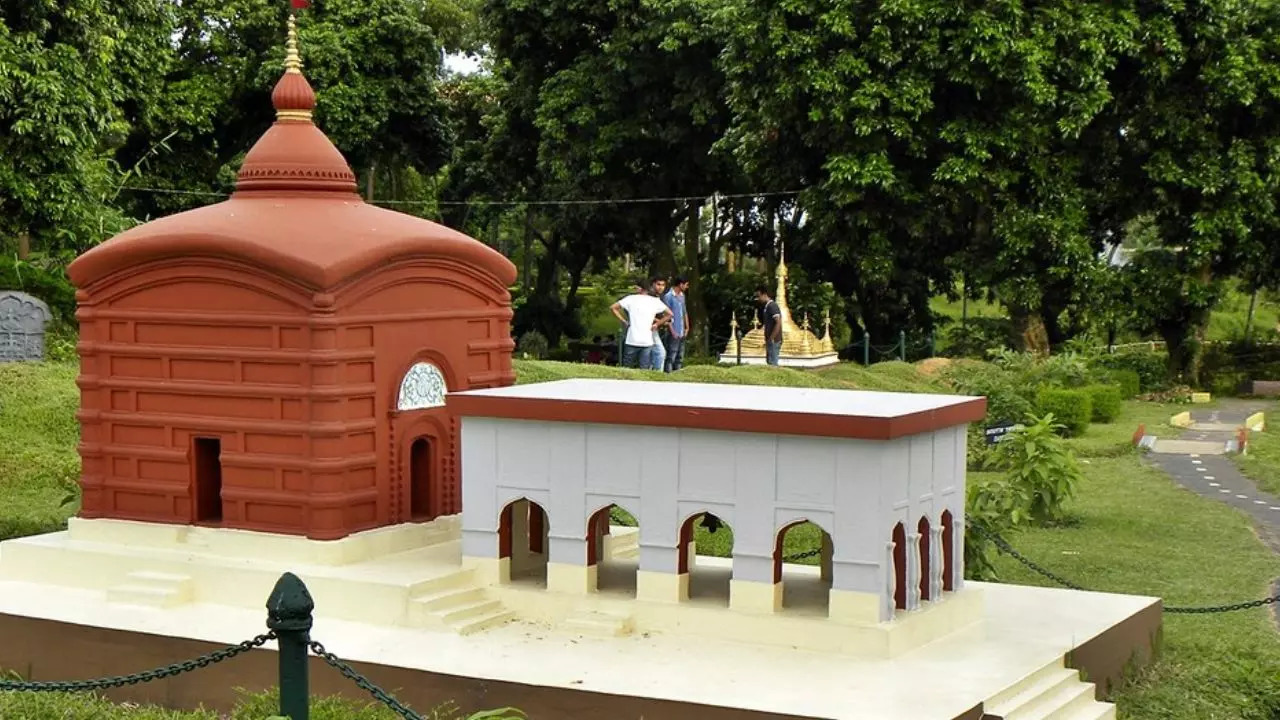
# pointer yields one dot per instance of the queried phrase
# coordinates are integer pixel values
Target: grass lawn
(1262, 462)
(1135, 531)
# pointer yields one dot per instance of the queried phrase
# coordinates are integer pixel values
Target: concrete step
(1004, 698)
(461, 613)
(452, 597)
(1093, 711)
(152, 589)
(1033, 692)
(441, 583)
(1059, 704)
(600, 624)
(1189, 447)
(480, 623)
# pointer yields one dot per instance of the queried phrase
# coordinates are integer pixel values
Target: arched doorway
(948, 561)
(522, 537)
(613, 546)
(706, 554)
(925, 552)
(421, 474)
(806, 580)
(899, 567)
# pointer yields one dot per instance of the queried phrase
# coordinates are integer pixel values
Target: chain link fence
(289, 617)
(1003, 546)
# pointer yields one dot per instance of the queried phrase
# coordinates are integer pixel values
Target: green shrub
(1125, 379)
(1152, 367)
(993, 506)
(1106, 402)
(1072, 408)
(532, 345)
(1006, 398)
(1040, 469)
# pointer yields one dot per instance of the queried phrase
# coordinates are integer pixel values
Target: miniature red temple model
(279, 361)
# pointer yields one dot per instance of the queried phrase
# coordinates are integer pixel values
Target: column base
(755, 597)
(571, 579)
(488, 571)
(662, 587)
(856, 607)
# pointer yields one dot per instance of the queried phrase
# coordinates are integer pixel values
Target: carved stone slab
(22, 323)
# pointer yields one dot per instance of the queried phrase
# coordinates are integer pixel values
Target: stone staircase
(455, 602)
(152, 589)
(600, 623)
(1053, 692)
(623, 543)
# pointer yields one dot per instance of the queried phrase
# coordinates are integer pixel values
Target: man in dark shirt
(771, 319)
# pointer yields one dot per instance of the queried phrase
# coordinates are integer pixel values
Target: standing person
(642, 311)
(675, 301)
(659, 357)
(771, 319)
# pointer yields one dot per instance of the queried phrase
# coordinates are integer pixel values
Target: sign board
(994, 433)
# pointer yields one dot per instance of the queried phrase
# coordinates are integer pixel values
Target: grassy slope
(1262, 463)
(1139, 533)
(1136, 533)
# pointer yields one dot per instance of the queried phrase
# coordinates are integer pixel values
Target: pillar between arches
(659, 578)
(753, 589)
(567, 568)
(913, 571)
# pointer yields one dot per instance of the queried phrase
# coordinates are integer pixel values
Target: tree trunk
(527, 255)
(1029, 334)
(694, 300)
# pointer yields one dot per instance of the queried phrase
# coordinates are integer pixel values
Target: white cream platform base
(383, 595)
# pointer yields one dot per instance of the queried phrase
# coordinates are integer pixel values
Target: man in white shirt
(644, 312)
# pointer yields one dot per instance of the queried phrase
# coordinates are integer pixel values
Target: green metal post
(289, 615)
(902, 345)
(866, 348)
(621, 338)
(933, 345)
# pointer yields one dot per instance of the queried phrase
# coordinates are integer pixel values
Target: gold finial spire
(292, 61)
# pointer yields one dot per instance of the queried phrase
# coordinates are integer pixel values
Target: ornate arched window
(423, 387)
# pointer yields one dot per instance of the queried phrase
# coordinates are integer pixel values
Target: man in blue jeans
(642, 314)
(771, 320)
(678, 330)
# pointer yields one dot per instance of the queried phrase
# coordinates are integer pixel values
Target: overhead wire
(505, 203)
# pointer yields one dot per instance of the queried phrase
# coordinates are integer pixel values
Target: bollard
(902, 345)
(289, 615)
(866, 348)
(739, 344)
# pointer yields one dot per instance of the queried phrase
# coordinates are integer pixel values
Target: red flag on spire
(300, 4)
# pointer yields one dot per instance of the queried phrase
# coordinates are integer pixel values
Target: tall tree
(70, 72)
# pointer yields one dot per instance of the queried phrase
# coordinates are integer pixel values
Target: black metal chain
(802, 556)
(363, 682)
(203, 661)
(1004, 547)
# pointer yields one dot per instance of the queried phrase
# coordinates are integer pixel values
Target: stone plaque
(22, 322)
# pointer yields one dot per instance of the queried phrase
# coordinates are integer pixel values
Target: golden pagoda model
(800, 347)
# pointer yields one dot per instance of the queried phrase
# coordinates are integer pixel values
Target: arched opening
(802, 563)
(948, 560)
(420, 480)
(706, 554)
(925, 569)
(899, 567)
(613, 546)
(422, 387)
(522, 537)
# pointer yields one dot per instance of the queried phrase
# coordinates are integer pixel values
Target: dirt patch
(933, 366)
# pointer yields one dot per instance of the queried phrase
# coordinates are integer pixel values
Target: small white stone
(1196, 462)
(1210, 477)
(1214, 485)
(1259, 502)
(1243, 497)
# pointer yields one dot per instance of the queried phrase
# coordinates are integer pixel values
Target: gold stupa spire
(799, 345)
(292, 60)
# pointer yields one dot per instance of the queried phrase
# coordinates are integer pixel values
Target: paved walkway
(1216, 477)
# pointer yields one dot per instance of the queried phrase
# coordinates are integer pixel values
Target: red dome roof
(295, 211)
